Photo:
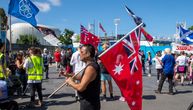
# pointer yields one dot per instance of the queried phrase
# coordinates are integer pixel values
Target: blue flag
(186, 36)
(23, 9)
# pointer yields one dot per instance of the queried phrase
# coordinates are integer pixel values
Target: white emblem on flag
(118, 69)
(24, 9)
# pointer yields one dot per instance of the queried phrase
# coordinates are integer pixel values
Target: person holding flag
(89, 86)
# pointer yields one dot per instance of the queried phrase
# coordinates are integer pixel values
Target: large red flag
(124, 65)
(87, 37)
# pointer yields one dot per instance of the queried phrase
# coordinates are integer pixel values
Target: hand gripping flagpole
(121, 39)
(65, 83)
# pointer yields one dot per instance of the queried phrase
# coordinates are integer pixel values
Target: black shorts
(86, 105)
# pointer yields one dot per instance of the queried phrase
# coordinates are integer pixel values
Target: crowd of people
(85, 73)
(175, 67)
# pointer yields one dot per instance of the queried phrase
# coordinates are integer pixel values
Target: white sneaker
(122, 99)
(157, 81)
(149, 75)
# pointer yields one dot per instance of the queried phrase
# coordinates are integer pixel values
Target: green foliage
(28, 40)
(3, 19)
(191, 28)
(66, 37)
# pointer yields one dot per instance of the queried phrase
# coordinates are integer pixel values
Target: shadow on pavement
(61, 95)
(183, 92)
(149, 97)
(113, 99)
(23, 106)
(56, 102)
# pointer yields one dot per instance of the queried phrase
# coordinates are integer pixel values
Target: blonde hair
(168, 51)
(105, 46)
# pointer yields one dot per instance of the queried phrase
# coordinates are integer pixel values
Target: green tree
(28, 40)
(191, 28)
(3, 19)
(66, 37)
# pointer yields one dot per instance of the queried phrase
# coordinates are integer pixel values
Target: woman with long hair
(20, 71)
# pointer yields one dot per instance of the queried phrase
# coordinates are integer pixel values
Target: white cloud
(55, 2)
(44, 7)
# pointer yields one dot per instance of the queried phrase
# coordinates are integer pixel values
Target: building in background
(27, 29)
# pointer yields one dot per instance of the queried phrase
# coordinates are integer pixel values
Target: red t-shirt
(57, 56)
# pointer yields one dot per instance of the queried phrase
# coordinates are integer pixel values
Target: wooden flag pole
(65, 83)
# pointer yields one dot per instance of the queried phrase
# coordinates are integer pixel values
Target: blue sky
(160, 16)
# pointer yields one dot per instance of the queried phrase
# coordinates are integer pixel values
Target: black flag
(136, 19)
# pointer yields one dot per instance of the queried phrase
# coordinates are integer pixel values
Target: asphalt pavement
(64, 98)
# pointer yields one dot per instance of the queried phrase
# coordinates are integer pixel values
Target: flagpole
(63, 84)
(120, 39)
(6, 38)
(94, 27)
(10, 35)
(98, 29)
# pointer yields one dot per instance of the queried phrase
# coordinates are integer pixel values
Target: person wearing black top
(89, 86)
(143, 61)
(105, 77)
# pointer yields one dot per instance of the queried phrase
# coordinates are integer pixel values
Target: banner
(179, 47)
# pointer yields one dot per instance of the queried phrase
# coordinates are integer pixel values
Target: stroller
(5, 102)
(14, 85)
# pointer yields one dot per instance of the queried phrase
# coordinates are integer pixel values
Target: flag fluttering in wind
(123, 62)
(146, 35)
(186, 36)
(101, 27)
(88, 38)
(136, 19)
(23, 9)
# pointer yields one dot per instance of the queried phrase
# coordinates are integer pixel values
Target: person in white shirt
(75, 61)
(182, 61)
(158, 64)
(77, 66)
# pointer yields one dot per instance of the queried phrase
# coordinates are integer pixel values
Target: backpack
(45, 59)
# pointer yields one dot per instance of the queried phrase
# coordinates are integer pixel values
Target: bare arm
(18, 64)
(89, 75)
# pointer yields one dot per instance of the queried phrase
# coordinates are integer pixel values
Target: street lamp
(116, 22)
